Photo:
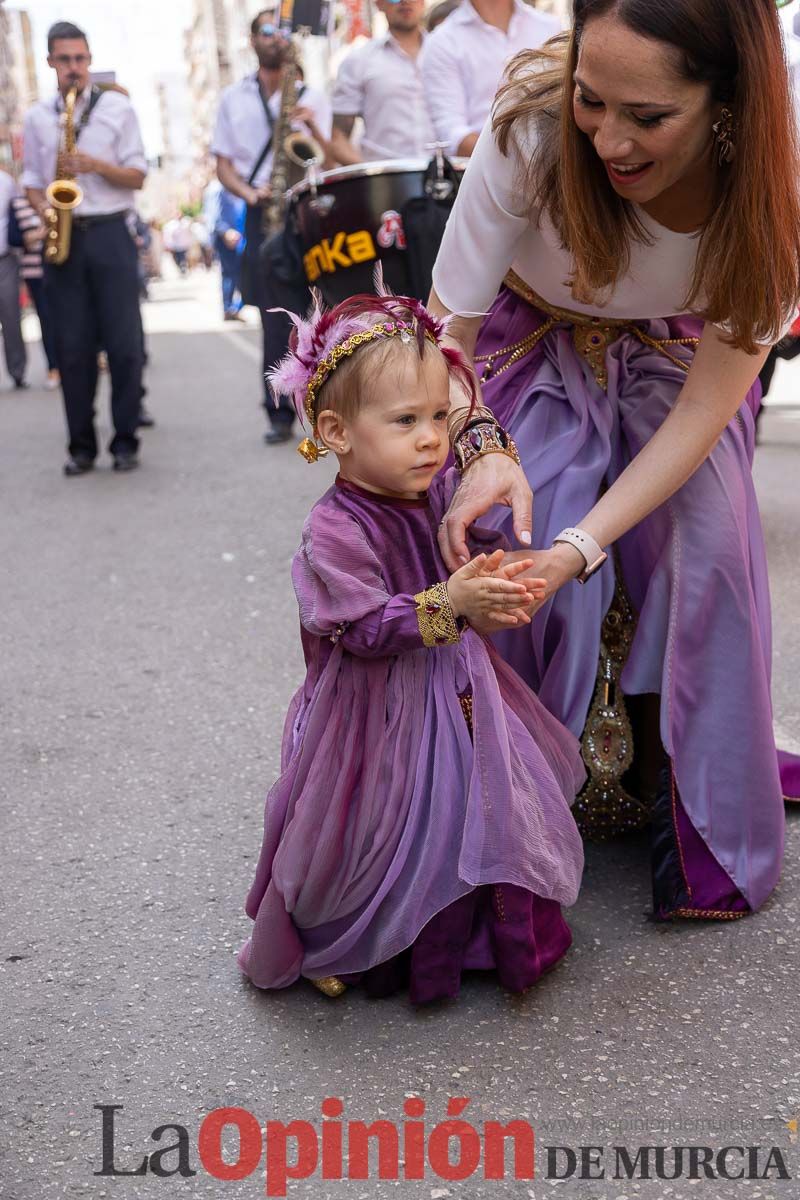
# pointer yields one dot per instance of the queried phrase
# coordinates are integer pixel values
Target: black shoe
(146, 419)
(78, 466)
(20, 384)
(125, 461)
(274, 437)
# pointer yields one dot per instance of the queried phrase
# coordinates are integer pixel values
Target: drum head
(350, 218)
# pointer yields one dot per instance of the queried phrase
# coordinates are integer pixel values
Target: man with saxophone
(249, 112)
(89, 142)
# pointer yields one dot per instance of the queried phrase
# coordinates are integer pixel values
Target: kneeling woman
(635, 193)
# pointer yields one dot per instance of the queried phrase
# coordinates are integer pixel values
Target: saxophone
(63, 194)
(293, 152)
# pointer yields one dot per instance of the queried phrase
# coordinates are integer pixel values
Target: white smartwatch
(585, 544)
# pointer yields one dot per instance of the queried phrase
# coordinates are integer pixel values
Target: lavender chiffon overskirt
(387, 811)
(695, 570)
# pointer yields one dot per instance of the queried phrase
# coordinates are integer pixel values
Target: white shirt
(489, 231)
(242, 129)
(463, 61)
(380, 82)
(8, 189)
(111, 134)
(178, 234)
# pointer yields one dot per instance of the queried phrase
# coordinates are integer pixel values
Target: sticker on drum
(391, 231)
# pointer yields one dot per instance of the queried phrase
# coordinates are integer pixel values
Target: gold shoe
(330, 986)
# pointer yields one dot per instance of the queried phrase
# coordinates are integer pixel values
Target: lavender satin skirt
(696, 574)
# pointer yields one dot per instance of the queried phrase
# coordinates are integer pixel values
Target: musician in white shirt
(242, 143)
(381, 82)
(93, 296)
(463, 61)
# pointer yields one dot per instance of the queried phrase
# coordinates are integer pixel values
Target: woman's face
(649, 125)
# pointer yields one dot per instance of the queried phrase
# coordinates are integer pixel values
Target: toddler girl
(421, 824)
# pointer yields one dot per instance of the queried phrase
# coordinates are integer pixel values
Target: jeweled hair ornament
(326, 337)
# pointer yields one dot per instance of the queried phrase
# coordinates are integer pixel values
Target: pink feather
(314, 337)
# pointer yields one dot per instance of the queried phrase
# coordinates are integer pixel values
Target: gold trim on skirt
(592, 335)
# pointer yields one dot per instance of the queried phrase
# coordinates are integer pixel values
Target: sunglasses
(272, 31)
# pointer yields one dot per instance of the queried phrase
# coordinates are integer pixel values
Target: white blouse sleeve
(485, 226)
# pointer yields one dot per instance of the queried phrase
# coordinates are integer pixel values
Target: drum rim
(366, 170)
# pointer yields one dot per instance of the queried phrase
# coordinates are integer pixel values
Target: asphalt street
(149, 649)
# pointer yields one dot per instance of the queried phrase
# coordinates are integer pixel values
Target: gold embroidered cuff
(437, 625)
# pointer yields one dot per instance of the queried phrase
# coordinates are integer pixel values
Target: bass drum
(349, 217)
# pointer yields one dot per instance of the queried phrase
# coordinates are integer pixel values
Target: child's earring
(724, 136)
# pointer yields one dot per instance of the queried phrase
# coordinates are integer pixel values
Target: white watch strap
(585, 544)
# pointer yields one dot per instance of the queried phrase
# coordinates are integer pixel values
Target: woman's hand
(553, 568)
(491, 479)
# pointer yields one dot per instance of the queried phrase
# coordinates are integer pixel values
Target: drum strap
(270, 124)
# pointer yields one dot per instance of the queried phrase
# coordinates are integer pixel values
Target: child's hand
(486, 593)
(512, 566)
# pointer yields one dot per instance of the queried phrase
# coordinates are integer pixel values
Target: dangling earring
(724, 129)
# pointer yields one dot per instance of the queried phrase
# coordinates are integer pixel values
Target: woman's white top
(489, 231)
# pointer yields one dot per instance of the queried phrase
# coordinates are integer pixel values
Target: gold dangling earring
(724, 129)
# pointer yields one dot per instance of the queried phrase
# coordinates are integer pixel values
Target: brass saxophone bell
(63, 194)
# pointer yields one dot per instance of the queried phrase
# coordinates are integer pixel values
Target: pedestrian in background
(94, 294)
(27, 233)
(229, 246)
(178, 240)
(10, 315)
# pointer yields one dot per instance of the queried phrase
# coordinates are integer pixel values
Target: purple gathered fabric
(386, 811)
(696, 573)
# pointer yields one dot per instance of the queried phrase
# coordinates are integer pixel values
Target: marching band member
(463, 60)
(381, 82)
(93, 296)
(243, 147)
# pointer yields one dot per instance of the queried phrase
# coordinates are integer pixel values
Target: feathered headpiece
(321, 341)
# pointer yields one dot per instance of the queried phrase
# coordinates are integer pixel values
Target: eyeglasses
(271, 31)
(64, 60)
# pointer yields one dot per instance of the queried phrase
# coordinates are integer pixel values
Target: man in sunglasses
(243, 147)
(93, 296)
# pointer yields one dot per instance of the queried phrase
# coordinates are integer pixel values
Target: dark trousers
(37, 294)
(10, 324)
(267, 289)
(276, 328)
(94, 301)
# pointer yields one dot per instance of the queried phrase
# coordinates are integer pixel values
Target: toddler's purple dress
(401, 845)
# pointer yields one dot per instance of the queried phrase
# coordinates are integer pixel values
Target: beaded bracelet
(481, 437)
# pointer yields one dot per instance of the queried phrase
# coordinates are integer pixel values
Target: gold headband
(308, 447)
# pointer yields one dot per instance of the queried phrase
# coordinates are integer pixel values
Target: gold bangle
(510, 452)
(482, 437)
(464, 414)
(437, 624)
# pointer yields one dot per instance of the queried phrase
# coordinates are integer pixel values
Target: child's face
(398, 441)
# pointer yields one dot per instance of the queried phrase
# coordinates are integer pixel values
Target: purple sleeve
(392, 629)
(341, 593)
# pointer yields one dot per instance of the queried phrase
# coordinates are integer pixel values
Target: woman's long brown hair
(747, 272)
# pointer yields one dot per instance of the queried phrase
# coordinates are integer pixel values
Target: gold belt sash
(592, 335)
